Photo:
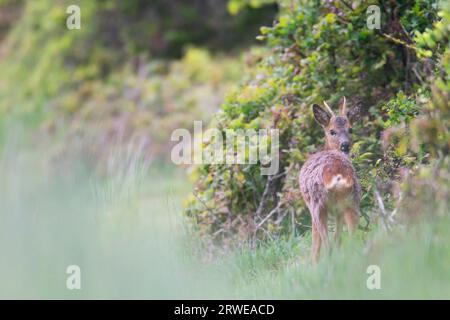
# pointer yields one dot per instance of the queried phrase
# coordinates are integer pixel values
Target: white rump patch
(338, 182)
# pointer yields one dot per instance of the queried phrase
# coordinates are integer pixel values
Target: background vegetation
(85, 122)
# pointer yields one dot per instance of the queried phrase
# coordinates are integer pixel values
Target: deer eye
(332, 132)
(350, 130)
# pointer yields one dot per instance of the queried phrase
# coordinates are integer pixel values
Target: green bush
(323, 50)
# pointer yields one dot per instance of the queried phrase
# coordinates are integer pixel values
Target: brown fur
(329, 184)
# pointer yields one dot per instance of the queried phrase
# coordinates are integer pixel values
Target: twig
(264, 197)
(416, 73)
(383, 212)
(268, 216)
(266, 192)
(215, 234)
(285, 212)
(204, 204)
(346, 4)
(399, 41)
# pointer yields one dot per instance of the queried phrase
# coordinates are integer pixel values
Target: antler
(343, 109)
(328, 108)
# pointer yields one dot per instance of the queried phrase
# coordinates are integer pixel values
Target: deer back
(328, 172)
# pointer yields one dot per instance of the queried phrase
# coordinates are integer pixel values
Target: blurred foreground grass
(126, 232)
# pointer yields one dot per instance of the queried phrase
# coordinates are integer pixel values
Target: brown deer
(328, 181)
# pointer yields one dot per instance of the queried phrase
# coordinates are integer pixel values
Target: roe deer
(328, 181)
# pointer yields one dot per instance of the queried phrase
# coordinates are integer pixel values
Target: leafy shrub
(323, 50)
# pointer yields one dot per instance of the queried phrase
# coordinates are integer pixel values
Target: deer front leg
(351, 217)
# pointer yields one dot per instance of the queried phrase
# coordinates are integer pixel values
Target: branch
(264, 196)
(399, 41)
(383, 212)
(268, 216)
(346, 4)
(204, 204)
(266, 192)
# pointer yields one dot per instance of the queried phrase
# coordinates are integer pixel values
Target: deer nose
(345, 147)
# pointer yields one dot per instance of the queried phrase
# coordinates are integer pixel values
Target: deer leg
(323, 230)
(319, 232)
(316, 242)
(337, 231)
(351, 217)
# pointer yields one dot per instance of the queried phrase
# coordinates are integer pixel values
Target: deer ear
(321, 116)
(354, 114)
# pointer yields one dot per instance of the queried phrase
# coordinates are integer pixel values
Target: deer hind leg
(351, 217)
(316, 243)
(337, 231)
(319, 232)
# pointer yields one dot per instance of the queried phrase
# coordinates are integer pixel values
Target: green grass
(127, 240)
(414, 264)
(127, 233)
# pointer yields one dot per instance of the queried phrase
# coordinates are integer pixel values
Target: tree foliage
(133, 72)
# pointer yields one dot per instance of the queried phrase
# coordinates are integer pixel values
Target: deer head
(338, 129)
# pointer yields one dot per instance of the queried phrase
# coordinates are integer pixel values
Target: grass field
(127, 234)
(124, 234)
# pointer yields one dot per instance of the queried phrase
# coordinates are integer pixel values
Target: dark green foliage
(401, 110)
(163, 27)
